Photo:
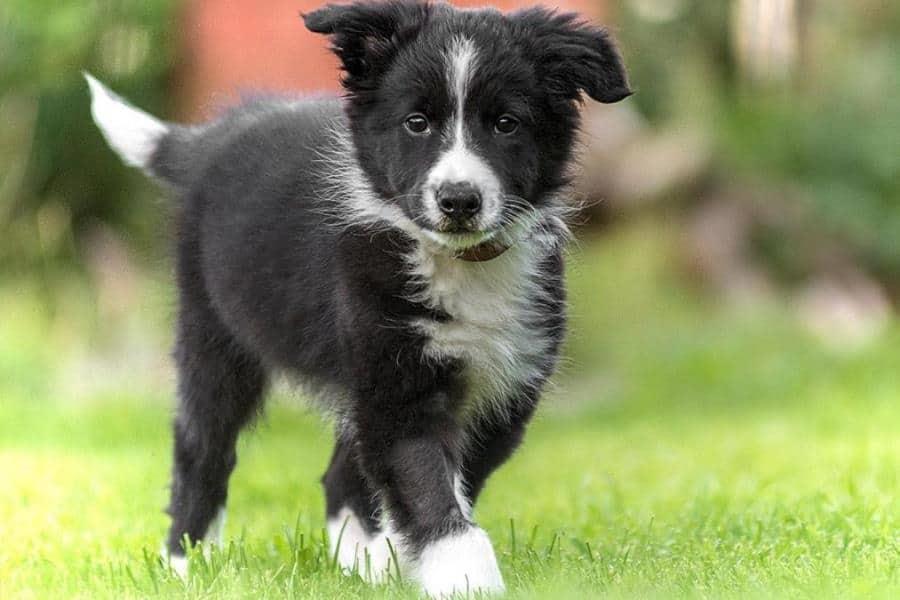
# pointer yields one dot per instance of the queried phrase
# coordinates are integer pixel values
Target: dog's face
(466, 119)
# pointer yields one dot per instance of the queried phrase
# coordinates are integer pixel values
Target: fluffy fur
(337, 240)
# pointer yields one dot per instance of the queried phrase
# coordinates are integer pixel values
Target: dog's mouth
(473, 240)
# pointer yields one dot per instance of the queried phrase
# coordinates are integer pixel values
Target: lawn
(687, 450)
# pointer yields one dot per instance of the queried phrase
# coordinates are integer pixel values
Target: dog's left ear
(573, 55)
(365, 35)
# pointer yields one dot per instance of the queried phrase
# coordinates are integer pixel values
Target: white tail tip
(132, 133)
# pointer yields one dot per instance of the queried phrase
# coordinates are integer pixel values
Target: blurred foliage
(58, 180)
(828, 134)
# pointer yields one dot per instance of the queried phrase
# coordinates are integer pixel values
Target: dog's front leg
(408, 449)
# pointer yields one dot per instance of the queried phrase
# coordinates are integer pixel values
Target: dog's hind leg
(220, 389)
(355, 532)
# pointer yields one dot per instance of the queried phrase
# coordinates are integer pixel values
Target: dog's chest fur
(494, 325)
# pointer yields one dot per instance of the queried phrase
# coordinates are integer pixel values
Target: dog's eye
(416, 123)
(506, 125)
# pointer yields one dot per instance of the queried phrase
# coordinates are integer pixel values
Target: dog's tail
(162, 150)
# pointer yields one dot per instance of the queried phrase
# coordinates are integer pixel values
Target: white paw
(213, 537)
(356, 550)
(178, 564)
(461, 563)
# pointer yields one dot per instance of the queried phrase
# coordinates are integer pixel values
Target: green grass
(687, 451)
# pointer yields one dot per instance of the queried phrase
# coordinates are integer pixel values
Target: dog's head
(465, 119)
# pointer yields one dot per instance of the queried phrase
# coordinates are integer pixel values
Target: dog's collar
(483, 252)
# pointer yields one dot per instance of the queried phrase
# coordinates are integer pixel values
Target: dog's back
(257, 229)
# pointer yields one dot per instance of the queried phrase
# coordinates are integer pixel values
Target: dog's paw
(177, 563)
(375, 561)
(372, 560)
(461, 563)
(356, 550)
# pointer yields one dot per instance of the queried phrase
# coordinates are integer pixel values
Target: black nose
(458, 200)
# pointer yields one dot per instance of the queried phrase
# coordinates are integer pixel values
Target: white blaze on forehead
(460, 164)
(462, 60)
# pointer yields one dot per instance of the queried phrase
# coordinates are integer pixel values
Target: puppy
(399, 251)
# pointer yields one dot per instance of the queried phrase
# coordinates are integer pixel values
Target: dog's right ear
(365, 35)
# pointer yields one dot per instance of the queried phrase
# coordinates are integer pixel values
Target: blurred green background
(726, 419)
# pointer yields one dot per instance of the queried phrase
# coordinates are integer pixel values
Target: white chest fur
(494, 307)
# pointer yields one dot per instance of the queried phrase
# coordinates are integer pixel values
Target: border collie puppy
(398, 251)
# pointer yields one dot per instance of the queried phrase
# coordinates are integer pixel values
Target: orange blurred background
(235, 45)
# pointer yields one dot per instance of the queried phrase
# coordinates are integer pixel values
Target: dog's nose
(458, 200)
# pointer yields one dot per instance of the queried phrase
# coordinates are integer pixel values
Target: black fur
(276, 272)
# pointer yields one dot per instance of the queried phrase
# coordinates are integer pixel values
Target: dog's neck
(483, 252)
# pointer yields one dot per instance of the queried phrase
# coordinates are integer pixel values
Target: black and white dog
(399, 252)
